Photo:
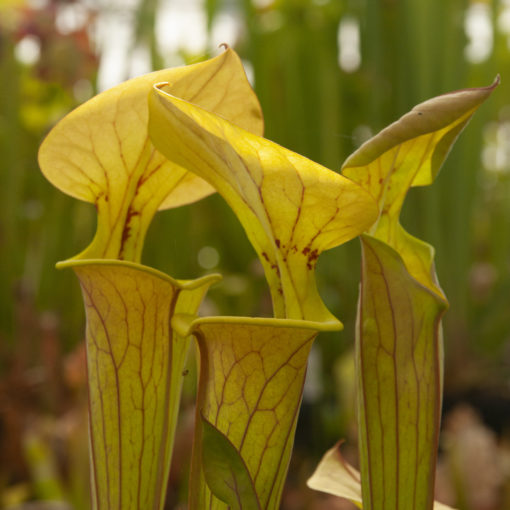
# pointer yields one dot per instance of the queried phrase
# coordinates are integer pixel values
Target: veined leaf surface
(135, 363)
(101, 152)
(251, 380)
(399, 363)
(291, 208)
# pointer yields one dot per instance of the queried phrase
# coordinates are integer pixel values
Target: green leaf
(291, 208)
(225, 471)
(101, 152)
(250, 387)
(135, 363)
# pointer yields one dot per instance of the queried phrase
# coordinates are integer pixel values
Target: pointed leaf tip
(225, 471)
(437, 116)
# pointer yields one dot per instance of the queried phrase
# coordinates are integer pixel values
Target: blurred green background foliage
(329, 74)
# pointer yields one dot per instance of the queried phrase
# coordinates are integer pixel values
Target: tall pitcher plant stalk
(101, 153)
(399, 344)
(172, 137)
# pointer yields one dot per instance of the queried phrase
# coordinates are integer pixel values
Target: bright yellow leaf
(408, 153)
(101, 152)
(291, 208)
